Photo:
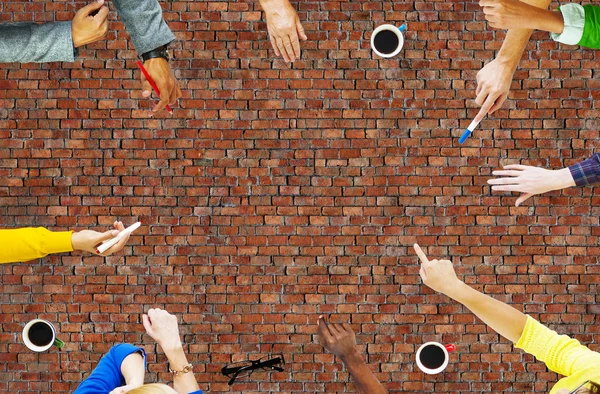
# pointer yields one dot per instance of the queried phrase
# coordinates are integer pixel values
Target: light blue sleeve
(145, 24)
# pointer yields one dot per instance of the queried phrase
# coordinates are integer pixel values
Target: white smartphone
(107, 244)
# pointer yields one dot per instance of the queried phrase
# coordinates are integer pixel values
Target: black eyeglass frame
(272, 363)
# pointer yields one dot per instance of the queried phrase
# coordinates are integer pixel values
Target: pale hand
(163, 328)
(339, 339)
(493, 85)
(87, 28)
(530, 180)
(285, 29)
(508, 14)
(89, 240)
(161, 73)
(438, 274)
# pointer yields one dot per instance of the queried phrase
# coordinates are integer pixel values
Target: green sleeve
(591, 28)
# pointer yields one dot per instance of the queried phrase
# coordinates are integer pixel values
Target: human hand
(88, 240)
(530, 180)
(493, 85)
(339, 339)
(437, 274)
(163, 328)
(508, 14)
(90, 24)
(284, 29)
(161, 73)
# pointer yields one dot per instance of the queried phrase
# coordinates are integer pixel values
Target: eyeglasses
(591, 386)
(246, 368)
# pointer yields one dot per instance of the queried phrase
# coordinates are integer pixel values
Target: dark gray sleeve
(36, 43)
(145, 24)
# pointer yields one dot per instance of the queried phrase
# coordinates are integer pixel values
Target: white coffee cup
(443, 358)
(40, 335)
(397, 31)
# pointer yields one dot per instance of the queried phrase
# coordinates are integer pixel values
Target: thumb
(93, 6)
(146, 87)
(300, 29)
(522, 198)
(147, 324)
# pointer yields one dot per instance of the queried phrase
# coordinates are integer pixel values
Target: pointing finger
(422, 257)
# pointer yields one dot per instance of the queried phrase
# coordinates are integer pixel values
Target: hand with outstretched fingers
(90, 24)
(530, 180)
(285, 29)
(89, 240)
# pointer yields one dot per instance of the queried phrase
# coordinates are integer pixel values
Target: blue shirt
(107, 375)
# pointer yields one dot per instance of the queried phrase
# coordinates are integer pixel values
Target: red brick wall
(279, 193)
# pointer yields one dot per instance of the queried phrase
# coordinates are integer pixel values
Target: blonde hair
(154, 388)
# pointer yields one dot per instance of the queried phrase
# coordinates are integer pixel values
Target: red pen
(151, 81)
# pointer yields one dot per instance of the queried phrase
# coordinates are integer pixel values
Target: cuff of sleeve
(578, 174)
(57, 242)
(120, 352)
(66, 47)
(525, 335)
(574, 18)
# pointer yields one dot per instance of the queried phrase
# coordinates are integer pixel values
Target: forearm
(516, 39)
(546, 20)
(182, 383)
(133, 369)
(502, 318)
(364, 380)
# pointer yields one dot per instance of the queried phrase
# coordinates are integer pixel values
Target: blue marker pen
(468, 132)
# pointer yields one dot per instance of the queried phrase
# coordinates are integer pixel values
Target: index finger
(485, 108)
(422, 257)
(295, 44)
(101, 15)
(323, 329)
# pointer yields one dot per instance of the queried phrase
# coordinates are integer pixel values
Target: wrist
(76, 241)
(352, 358)
(563, 179)
(267, 4)
(458, 292)
(508, 60)
(173, 351)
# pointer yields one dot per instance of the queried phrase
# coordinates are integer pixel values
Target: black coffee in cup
(40, 334)
(432, 357)
(386, 42)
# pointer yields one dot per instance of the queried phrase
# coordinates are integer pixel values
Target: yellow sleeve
(26, 244)
(560, 353)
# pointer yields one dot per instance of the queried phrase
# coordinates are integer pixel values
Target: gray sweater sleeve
(37, 43)
(145, 24)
